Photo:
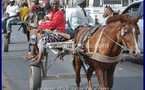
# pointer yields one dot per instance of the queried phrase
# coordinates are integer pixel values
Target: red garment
(57, 22)
(33, 8)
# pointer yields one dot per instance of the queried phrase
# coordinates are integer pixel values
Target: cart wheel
(35, 78)
(5, 43)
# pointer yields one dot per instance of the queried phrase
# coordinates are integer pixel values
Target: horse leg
(28, 36)
(99, 72)
(110, 73)
(89, 75)
(77, 67)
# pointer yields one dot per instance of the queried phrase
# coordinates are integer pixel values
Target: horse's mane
(121, 18)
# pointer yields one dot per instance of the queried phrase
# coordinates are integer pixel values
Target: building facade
(98, 3)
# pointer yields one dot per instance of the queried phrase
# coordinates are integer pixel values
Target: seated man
(12, 12)
(52, 31)
(24, 12)
(79, 18)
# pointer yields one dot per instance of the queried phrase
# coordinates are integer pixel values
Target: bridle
(121, 30)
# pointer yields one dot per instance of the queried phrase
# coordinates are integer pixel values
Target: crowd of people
(51, 28)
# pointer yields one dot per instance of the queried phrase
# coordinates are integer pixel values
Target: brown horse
(103, 50)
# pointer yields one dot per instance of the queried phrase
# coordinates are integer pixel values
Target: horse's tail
(82, 64)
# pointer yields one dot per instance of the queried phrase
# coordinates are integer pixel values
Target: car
(136, 9)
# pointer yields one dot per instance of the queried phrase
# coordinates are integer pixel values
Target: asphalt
(5, 84)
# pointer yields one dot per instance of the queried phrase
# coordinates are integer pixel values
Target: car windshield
(132, 8)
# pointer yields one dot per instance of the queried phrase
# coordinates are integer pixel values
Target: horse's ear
(106, 6)
(136, 20)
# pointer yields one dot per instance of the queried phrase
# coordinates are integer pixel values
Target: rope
(115, 42)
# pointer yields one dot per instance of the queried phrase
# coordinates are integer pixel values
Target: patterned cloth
(48, 39)
(56, 38)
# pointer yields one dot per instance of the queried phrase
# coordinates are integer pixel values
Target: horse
(103, 50)
(108, 11)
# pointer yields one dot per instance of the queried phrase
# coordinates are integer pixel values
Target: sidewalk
(5, 84)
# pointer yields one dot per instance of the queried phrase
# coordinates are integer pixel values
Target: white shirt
(78, 18)
(12, 10)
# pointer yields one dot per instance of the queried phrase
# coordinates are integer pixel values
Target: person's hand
(86, 26)
(45, 17)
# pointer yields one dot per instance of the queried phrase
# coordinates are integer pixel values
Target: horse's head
(107, 11)
(129, 36)
(41, 13)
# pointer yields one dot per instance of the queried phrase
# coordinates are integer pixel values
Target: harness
(94, 55)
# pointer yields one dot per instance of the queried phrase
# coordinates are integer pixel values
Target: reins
(122, 46)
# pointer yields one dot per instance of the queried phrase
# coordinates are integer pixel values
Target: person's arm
(15, 15)
(7, 10)
(90, 21)
(73, 19)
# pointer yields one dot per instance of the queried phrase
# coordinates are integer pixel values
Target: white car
(136, 9)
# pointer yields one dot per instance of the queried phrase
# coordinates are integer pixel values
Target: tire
(5, 43)
(35, 78)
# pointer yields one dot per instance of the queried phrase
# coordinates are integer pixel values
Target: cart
(37, 74)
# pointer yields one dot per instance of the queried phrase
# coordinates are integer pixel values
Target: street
(128, 75)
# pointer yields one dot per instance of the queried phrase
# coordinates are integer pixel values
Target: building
(99, 3)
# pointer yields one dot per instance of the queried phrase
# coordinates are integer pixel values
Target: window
(132, 8)
(112, 1)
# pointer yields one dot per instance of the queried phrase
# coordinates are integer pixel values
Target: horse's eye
(125, 33)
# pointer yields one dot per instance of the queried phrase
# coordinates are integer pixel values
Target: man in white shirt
(12, 12)
(79, 18)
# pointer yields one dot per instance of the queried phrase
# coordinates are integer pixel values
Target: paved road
(128, 75)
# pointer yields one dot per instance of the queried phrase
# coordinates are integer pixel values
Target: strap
(97, 43)
(105, 59)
